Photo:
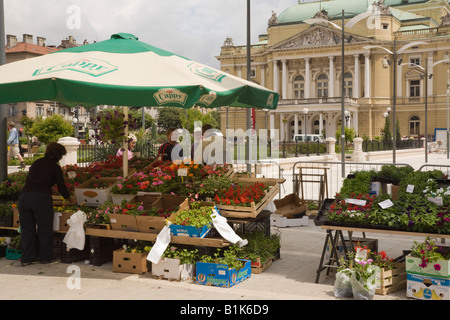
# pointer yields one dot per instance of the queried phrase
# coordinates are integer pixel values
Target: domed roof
(307, 10)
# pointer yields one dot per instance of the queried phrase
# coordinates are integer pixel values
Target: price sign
(182, 172)
(410, 188)
(386, 204)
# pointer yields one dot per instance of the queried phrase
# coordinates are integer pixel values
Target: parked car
(309, 137)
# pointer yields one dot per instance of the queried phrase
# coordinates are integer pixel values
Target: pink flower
(437, 267)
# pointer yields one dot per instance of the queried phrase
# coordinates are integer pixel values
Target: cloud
(195, 29)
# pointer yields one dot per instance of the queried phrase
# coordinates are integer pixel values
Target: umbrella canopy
(125, 71)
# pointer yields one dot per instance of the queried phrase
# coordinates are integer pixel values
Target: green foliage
(194, 115)
(51, 128)
(360, 184)
(169, 117)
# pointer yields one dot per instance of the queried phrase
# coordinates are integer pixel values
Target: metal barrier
(88, 153)
(443, 167)
(324, 179)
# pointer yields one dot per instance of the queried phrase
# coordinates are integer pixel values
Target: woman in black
(36, 205)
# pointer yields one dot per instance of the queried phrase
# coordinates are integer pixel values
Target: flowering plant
(109, 126)
(7, 209)
(138, 247)
(185, 256)
(428, 252)
(241, 195)
(346, 210)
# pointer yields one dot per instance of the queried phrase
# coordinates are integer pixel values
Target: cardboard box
(277, 220)
(123, 222)
(412, 266)
(117, 198)
(189, 231)
(16, 220)
(63, 225)
(290, 206)
(167, 268)
(153, 224)
(147, 198)
(129, 262)
(220, 275)
(424, 287)
(94, 197)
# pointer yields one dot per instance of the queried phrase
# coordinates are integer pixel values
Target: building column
(295, 123)
(320, 122)
(263, 75)
(430, 71)
(355, 121)
(275, 75)
(284, 80)
(239, 72)
(307, 79)
(282, 127)
(356, 82)
(332, 77)
(399, 80)
(367, 75)
(272, 126)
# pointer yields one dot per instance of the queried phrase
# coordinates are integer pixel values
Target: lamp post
(315, 20)
(394, 54)
(249, 111)
(426, 77)
(305, 112)
(347, 117)
(3, 107)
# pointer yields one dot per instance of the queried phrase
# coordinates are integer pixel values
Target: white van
(309, 137)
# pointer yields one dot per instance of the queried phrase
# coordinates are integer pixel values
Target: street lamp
(347, 117)
(426, 77)
(342, 27)
(394, 88)
(305, 112)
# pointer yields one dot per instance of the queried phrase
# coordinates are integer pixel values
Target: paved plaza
(290, 278)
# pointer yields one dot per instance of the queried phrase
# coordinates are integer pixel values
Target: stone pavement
(290, 278)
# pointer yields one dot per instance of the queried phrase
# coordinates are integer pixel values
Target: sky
(195, 29)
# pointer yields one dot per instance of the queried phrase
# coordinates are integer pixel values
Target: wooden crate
(258, 267)
(255, 208)
(392, 280)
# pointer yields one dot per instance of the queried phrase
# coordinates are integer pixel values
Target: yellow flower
(14, 205)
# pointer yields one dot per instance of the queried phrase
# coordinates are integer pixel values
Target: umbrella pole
(125, 145)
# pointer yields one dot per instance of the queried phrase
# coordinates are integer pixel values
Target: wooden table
(118, 234)
(335, 237)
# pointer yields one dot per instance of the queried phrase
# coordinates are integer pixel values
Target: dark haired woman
(36, 205)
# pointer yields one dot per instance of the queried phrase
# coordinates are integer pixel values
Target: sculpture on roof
(228, 42)
(445, 20)
(273, 19)
(323, 14)
(380, 7)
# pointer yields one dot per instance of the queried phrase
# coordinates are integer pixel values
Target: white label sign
(356, 201)
(386, 204)
(410, 188)
(182, 172)
(437, 200)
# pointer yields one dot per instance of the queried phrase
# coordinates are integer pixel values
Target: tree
(387, 134)
(194, 115)
(169, 117)
(136, 113)
(51, 128)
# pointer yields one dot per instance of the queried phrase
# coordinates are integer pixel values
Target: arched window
(322, 86)
(414, 125)
(348, 84)
(299, 87)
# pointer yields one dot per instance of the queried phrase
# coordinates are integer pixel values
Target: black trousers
(36, 209)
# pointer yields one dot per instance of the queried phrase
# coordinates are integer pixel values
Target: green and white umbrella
(126, 72)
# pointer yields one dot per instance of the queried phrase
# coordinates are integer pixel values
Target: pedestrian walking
(13, 143)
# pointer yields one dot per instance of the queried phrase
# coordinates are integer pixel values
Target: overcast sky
(195, 29)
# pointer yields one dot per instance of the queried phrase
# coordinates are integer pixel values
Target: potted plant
(194, 221)
(6, 213)
(14, 249)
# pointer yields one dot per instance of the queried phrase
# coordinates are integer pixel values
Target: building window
(414, 88)
(299, 87)
(414, 61)
(40, 110)
(322, 86)
(348, 85)
(414, 125)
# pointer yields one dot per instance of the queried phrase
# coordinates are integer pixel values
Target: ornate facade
(301, 55)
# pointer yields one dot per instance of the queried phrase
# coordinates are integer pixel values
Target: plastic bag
(343, 285)
(161, 243)
(363, 289)
(221, 225)
(75, 237)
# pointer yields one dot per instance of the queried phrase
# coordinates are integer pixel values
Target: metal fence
(374, 145)
(88, 153)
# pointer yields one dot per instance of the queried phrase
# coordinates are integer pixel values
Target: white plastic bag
(363, 289)
(161, 243)
(221, 225)
(75, 237)
(343, 285)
